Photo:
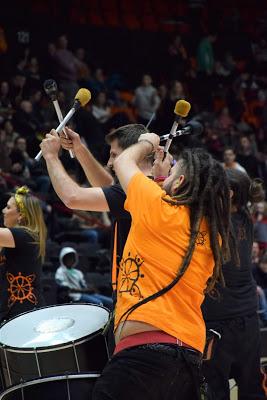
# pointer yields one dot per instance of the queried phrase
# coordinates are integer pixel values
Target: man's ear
(231, 194)
(178, 182)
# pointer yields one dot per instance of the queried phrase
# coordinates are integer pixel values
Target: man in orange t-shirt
(174, 251)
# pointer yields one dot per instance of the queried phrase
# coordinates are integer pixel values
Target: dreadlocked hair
(206, 191)
(244, 190)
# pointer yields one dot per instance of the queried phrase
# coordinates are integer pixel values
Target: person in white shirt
(100, 110)
(229, 158)
(68, 276)
(146, 100)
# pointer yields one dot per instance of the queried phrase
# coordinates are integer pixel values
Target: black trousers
(236, 355)
(150, 372)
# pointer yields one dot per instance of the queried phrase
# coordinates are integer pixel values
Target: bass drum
(71, 387)
(57, 340)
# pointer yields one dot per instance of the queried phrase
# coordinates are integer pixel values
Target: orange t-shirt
(157, 242)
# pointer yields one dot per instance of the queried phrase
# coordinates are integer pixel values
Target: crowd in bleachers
(225, 84)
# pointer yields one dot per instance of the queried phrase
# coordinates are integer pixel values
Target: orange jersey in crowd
(153, 253)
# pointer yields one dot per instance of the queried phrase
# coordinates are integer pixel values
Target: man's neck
(146, 168)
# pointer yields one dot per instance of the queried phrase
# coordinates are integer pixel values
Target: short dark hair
(18, 138)
(126, 135)
(229, 148)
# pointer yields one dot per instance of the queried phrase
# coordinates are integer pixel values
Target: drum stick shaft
(60, 118)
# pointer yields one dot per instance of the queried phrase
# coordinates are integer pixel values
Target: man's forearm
(94, 171)
(126, 165)
(63, 185)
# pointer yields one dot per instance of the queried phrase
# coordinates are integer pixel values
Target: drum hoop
(56, 347)
(47, 379)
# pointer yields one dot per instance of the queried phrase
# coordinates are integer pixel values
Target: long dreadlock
(207, 193)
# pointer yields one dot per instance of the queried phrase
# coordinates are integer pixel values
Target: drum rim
(55, 347)
(40, 349)
(32, 382)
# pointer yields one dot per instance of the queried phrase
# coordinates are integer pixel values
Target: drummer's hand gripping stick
(82, 97)
(181, 110)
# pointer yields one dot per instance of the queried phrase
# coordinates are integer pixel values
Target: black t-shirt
(250, 163)
(238, 298)
(121, 219)
(260, 277)
(20, 276)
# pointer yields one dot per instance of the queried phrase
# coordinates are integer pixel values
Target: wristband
(148, 141)
(160, 178)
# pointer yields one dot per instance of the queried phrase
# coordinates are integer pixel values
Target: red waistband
(148, 337)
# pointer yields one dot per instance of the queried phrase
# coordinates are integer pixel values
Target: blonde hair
(32, 217)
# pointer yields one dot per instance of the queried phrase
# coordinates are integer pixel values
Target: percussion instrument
(56, 340)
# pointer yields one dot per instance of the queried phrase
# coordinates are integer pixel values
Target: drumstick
(50, 87)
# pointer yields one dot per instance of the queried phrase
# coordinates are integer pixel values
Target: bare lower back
(131, 328)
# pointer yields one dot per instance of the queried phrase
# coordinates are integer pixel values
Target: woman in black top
(232, 311)
(23, 251)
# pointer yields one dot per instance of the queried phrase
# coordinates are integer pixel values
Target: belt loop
(179, 342)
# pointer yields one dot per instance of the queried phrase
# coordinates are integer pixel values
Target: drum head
(52, 326)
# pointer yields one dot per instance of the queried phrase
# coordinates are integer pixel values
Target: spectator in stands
(36, 99)
(23, 61)
(224, 121)
(17, 90)
(28, 125)
(229, 158)
(5, 160)
(205, 68)
(32, 71)
(246, 157)
(260, 224)
(94, 226)
(260, 273)
(66, 66)
(99, 82)
(19, 166)
(5, 101)
(31, 170)
(84, 73)
(255, 254)
(260, 276)
(11, 135)
(213, 141)
(146, 100)
(67, 276)
(205, 56)
(177, 58)
(162, 92)
(100, 110)
(177, 91)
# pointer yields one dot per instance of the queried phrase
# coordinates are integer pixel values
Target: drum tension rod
(76, 358)
(7, 366)
(37, 362)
